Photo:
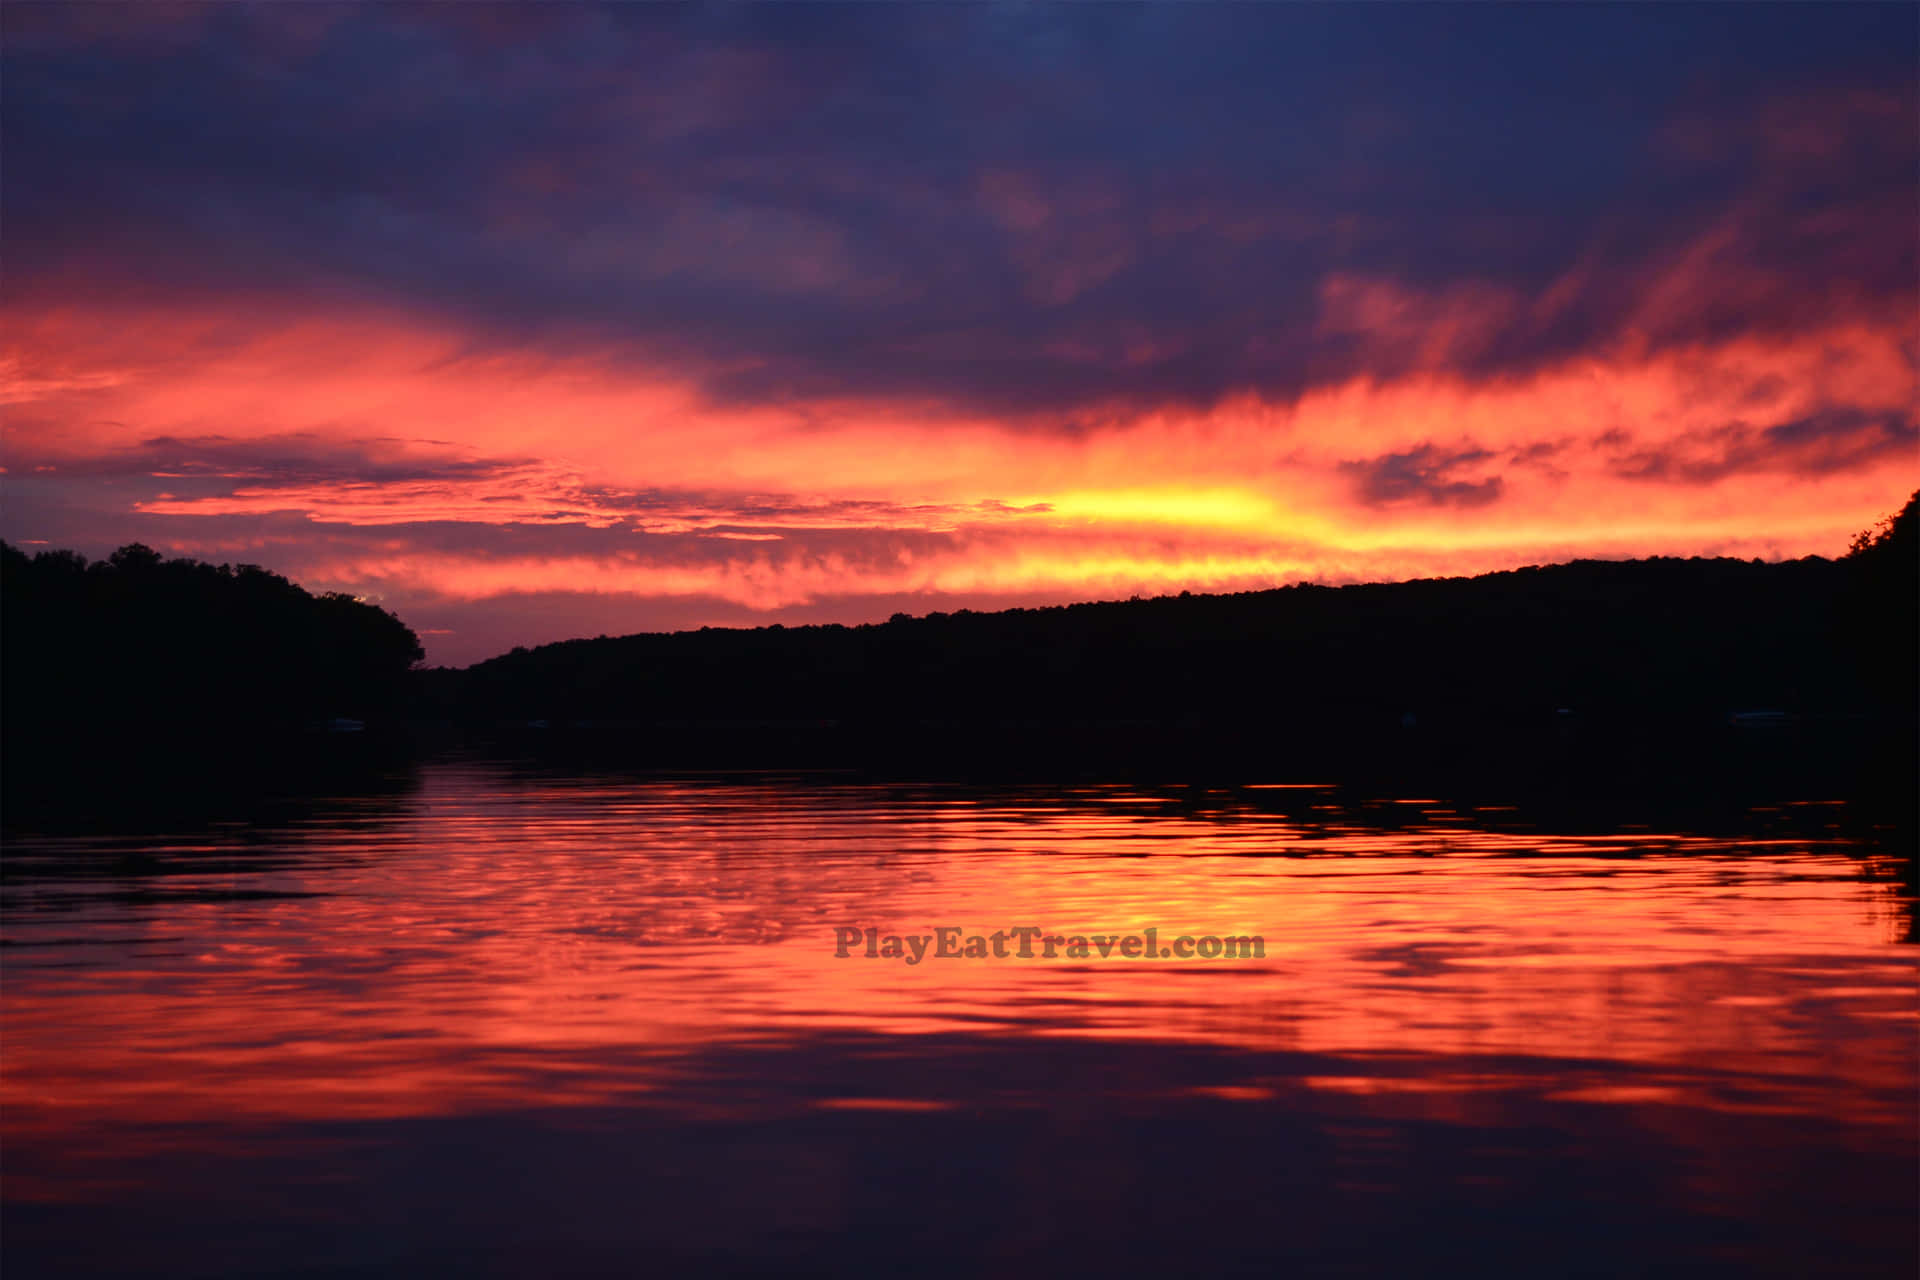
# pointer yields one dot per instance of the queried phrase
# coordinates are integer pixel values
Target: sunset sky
(529, 322)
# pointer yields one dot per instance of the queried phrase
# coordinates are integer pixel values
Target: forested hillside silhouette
(140, 665)
(1662, 637)
(1646, 666)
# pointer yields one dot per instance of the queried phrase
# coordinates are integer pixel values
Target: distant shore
(1711, 680)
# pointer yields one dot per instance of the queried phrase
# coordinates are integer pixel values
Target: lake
(503, 1021)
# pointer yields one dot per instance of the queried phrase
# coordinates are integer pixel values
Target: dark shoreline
(1661, 690)
(1606, 772)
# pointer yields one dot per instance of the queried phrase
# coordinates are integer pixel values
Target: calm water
(501, 1023)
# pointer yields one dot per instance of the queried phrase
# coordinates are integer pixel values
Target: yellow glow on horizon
(1236, 509)
(376, 452)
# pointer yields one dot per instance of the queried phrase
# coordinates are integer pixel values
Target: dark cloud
(1036, 211)
(1833, 440)
(293, 459)
(1423, 476)
(390, 482)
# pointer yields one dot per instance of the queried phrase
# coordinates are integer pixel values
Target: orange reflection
(498, 944)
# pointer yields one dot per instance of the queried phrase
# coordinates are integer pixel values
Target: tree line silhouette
(1641, 655)
(1663, 638)
(140, 666)
(1646, 671)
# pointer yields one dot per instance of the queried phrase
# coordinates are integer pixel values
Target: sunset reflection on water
(239, 1016)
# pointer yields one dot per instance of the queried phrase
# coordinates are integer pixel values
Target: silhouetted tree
(97, 659)
(1880, 614)
(1897, 536)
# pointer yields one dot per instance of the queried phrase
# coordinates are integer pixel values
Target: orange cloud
(377, 423)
